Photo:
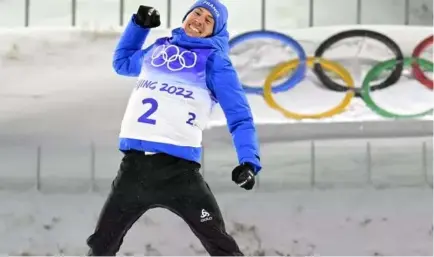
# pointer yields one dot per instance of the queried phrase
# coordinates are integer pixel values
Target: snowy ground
(322, 222)
(357, 206)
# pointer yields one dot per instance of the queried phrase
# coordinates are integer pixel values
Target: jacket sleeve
(128, 56)
(223, 81)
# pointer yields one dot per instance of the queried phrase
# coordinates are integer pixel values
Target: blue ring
(296, 77)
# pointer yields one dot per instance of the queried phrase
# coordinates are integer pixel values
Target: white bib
(171, 103)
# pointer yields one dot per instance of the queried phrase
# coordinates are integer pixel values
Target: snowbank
(335, 222)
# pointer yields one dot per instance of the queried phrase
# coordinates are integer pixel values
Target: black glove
(244, 176)
(147, 17)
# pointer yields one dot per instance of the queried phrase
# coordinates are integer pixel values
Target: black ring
(391, 79)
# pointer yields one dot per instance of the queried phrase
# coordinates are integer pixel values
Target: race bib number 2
(153, 107)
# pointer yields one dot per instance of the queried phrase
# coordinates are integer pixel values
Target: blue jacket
(222, 81)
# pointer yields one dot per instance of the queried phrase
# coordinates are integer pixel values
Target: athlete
(180, 79)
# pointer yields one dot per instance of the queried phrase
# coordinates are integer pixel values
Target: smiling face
(199, 23)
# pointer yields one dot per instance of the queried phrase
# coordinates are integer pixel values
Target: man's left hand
(244, 176)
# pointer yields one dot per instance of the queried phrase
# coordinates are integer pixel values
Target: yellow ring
(284, 68)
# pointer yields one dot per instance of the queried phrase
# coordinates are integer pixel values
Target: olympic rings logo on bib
(161, 54)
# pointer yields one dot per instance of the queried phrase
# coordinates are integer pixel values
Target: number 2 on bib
(153, 107)
(145, 117)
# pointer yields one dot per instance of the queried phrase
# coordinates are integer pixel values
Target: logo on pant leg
(205, 216)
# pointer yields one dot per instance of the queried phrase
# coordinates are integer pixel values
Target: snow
(344, 214)
(320, 222)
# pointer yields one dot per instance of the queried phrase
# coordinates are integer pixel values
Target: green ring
(375, 72)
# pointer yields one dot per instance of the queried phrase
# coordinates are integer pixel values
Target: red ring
(417, 71)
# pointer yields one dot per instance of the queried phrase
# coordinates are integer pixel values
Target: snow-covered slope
(294, 223)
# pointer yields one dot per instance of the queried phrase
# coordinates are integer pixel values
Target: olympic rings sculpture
(318, 64)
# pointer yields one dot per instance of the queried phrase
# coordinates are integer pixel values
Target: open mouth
(195, 29)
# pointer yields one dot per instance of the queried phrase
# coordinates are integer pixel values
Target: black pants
(149, 181)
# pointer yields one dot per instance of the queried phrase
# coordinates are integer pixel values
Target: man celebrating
(180, 79)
